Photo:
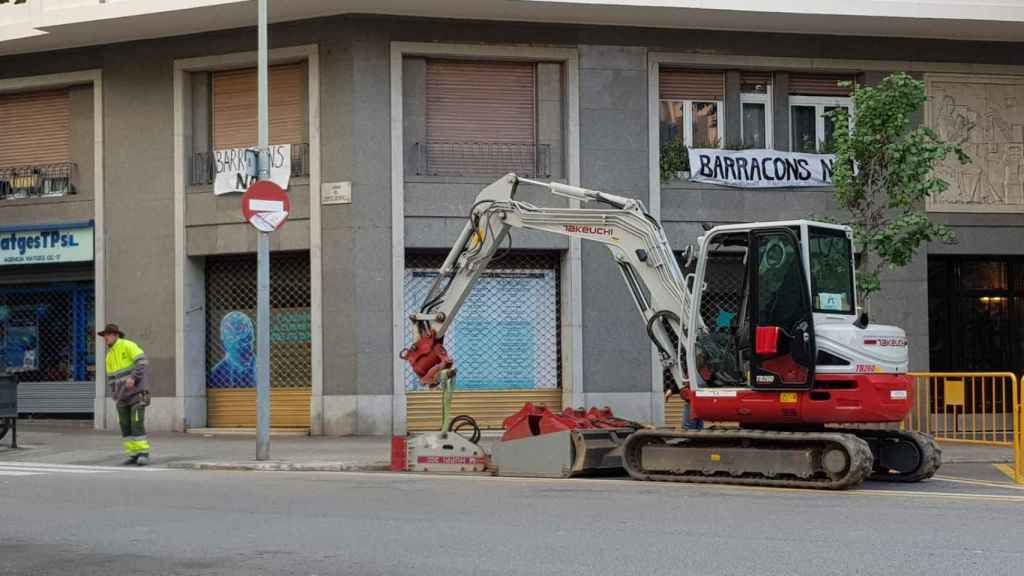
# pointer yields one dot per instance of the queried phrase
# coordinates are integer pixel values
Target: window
(831, 271)
(691, 107)
(694, 122)
(756, 109)
(812, 128)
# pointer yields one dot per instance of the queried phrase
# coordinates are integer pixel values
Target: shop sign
(46, 245)
(760, 168)
(235, 168)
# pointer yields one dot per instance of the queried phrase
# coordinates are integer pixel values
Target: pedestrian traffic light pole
(263, 254)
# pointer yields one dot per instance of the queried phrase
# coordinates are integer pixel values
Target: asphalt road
(91, 520)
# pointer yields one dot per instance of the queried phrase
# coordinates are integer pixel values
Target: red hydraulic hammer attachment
(427, 357)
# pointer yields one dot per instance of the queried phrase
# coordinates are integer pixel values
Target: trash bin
(9, 407)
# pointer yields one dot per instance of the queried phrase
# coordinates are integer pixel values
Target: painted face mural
(237, 369)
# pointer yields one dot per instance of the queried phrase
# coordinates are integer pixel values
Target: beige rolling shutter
(481, 117)
(234, 106)
(691, 84)
(488, 407)
(752, 81)
(819, 84)
(35, 128)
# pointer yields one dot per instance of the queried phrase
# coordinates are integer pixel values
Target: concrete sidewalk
(75, 442)
(70, 442)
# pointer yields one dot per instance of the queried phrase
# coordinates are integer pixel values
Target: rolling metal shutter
(236, 407)
(235, 107)
(36, 128)
(481, 117)
(230, 333)
(56, 397)
(488, 407)
(674, 84)
(819, 84)
(748, 78)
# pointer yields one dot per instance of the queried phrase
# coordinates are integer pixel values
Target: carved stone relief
(986, 116)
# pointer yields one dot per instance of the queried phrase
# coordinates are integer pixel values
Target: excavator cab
(755, 280)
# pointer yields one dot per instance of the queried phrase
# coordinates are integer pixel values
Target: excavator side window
(720, 340)
(782, 327)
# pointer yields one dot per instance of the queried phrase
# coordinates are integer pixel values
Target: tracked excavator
(790, 358)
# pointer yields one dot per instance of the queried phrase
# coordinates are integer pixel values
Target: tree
(884, 172)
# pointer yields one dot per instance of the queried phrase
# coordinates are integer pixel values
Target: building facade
(120, 154)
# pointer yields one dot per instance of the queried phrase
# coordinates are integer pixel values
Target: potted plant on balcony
(675, 161)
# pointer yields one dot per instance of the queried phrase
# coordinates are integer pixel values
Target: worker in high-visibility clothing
(126, 375)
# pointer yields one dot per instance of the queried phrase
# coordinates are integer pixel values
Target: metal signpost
(262, 253)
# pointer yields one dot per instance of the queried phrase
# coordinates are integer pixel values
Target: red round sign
(265, 205)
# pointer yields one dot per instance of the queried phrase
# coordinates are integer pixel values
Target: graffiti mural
(986, 116)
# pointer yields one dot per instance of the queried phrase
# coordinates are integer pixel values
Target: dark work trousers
(132, 418)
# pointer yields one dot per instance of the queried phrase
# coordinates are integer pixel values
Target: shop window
(812, 126)
(507, 335)
(481, 120)
(46, 332)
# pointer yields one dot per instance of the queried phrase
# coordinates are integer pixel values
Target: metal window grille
(482, 159)
(231, 321)
(46, 332)
(203, 167)
(508, 333)
(45, 180)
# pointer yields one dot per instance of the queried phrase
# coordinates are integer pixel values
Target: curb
(283, 466)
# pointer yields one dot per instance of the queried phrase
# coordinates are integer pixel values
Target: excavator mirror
(766, 340)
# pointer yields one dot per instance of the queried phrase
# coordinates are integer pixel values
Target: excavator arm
(635, 239)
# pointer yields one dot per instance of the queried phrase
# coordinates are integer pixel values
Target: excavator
(807, 384)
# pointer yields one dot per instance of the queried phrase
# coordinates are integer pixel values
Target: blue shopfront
(47, 315)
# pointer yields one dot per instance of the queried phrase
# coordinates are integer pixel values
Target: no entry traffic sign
(265, 205)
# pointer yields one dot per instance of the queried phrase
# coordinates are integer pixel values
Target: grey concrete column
(780, 110)
(733, 134)
(613, 147)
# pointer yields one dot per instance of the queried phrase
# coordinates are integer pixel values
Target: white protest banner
(760, 168)
(235, 168)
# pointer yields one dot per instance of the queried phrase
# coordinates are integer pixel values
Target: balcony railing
(203, 168)
(37, 181)
(482, 159)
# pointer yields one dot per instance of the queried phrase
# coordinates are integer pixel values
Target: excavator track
(901, 456)
(820, 460)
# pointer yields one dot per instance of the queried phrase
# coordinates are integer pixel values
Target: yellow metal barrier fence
(970, 408)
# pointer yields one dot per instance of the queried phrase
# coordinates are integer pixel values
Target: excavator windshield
(831, 258)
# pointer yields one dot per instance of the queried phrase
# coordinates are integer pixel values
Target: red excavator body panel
(835, 399)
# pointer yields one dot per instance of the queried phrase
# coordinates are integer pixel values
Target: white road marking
(39, 468)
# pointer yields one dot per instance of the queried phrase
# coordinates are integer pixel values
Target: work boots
(132, 460)
(142, 460)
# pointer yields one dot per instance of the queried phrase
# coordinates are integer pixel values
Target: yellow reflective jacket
(125, 358)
